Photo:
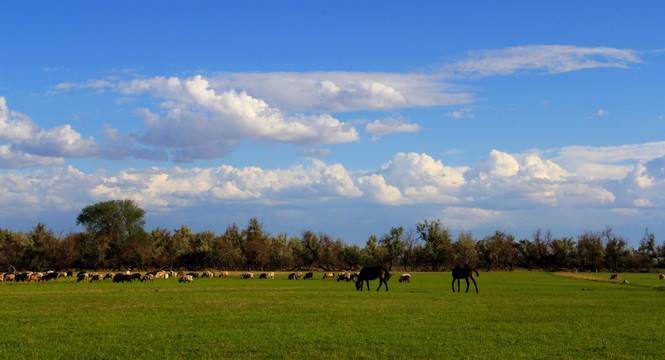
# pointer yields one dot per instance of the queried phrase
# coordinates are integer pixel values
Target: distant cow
(95, 277)
(224, 274)
(309, 275)
(148, 277)
(662, 277)
(328, 275)
(136, 276)
(81, 276)
(270, 275)
(108, 276)
(371, 273)
(247, 275)
(10, 277)
(263, 276)
(405, 278)
(186, 278)
(181, 273)
(161, 274)
(122, 277)
(614, 277)
(193, 274)
(208, 274)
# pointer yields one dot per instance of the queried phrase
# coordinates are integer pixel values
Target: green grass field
(515, 315)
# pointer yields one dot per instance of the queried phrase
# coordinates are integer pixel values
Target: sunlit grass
(515, 315)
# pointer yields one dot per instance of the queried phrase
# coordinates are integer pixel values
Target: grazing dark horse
(372, 273)
(464, 273)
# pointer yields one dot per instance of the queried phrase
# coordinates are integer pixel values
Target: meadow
(531, 315)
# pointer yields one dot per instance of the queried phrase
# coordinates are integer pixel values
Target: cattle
(614, 277)
(21, 277)
(343, 276)
(49, 276)
(224, 274)
(247, 275)
(108, 276)
(10, 277)
(122, 277)
(208, 274)
(193, 274)
(186, 278)
(353, 277)
(181, 273)
(81, 276)
(405, 278)
(464, 273)
(148, 277)
(309, 275)
(70, 274)
(371, 273)
(328, 275)
(63, 274)
(263, 276)
(95, 277)
(662, 277)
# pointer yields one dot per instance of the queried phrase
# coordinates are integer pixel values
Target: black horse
(371, 273)
(464, 273)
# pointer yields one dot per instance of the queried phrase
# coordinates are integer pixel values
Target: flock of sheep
(128, 276)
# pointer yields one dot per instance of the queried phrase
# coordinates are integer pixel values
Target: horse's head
(359, 284)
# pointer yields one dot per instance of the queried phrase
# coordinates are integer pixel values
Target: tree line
(114, 238)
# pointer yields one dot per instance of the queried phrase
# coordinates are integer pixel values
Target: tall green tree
(438, 243)
(43, 249)
(115, 223)
(393, 244)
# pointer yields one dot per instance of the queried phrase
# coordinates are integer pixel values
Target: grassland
(515, 315)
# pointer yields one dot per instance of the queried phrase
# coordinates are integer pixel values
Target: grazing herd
(363, 277)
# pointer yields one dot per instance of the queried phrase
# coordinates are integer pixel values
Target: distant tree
(351, 257)
(281, 255)
(113, 223)
(13, 248)
(408, 253)
(43, 248)
(564, 254)
(646, 256)
(590, 252)
(256, 245)
(394, 247)
(438, 244)
(464, 250)
(617, 256)
(310, 249)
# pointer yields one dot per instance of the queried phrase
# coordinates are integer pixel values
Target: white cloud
(549, 58)
(29, 145)
(389, 126)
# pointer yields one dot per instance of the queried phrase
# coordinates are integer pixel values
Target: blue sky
(347, 118)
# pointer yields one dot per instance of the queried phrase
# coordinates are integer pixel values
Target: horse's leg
(458, 280)
(453, 284)
(367, 284)
(380, 283)
(467, 283)
(474, 284)
(385, 282)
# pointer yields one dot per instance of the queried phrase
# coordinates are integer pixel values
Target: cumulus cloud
(202, 122)
(548, 58)
(27, 144)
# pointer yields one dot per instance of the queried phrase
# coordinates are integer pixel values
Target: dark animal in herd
(120, 277)
(373, 273)
(309, 275)
(662, 277)
(614, 277)
(464, 273)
